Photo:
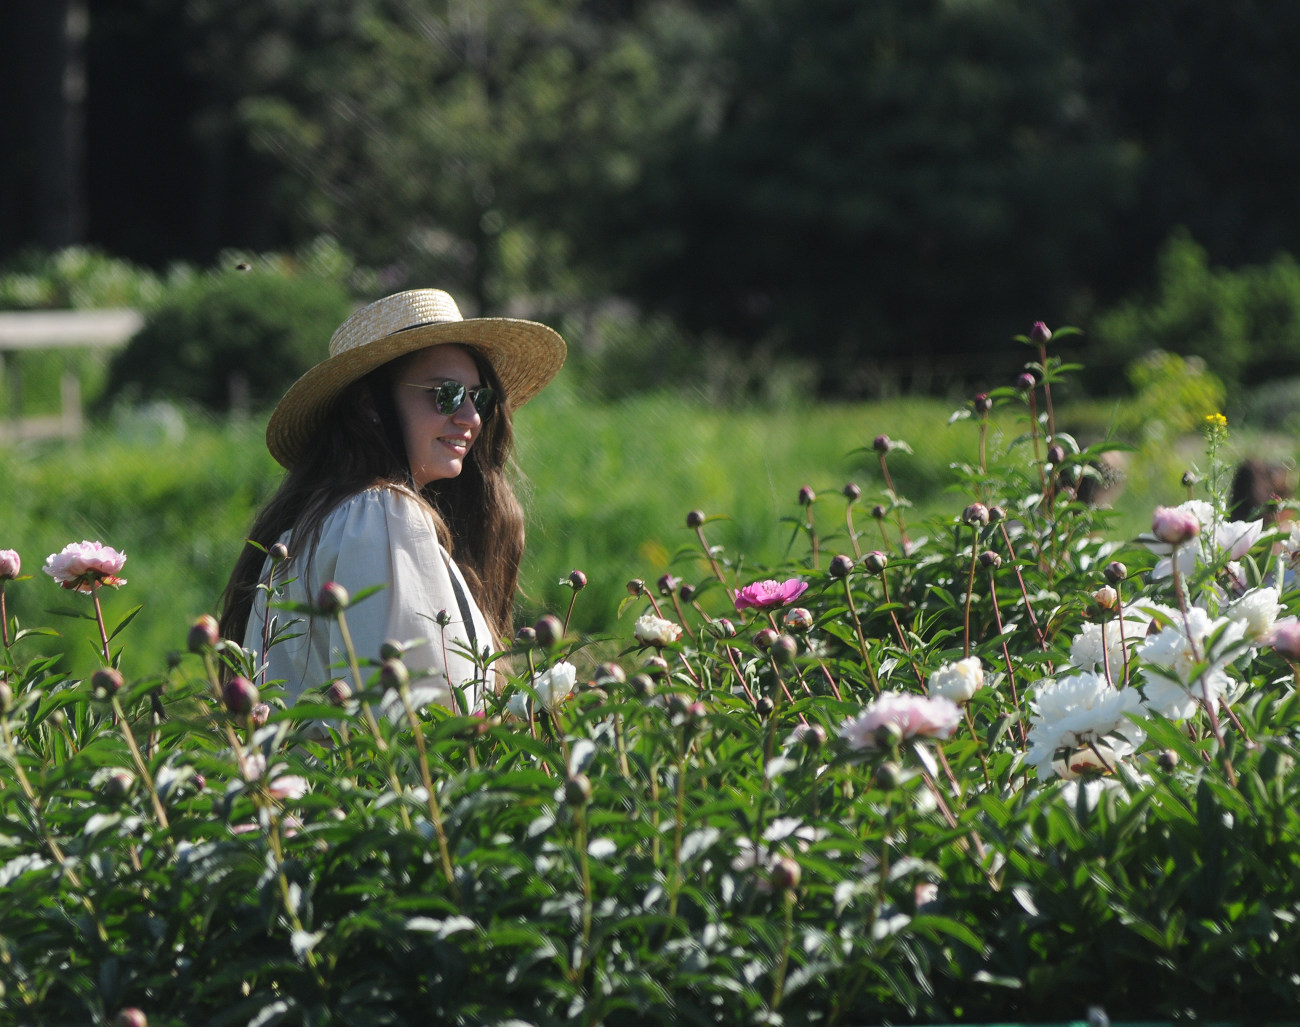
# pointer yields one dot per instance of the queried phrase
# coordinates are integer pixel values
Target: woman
(396, 449)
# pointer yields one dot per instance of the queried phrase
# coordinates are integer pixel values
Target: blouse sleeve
(383, 537)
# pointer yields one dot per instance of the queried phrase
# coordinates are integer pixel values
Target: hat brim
(525, 356)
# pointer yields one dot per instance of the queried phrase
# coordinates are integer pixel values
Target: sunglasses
(450, 396)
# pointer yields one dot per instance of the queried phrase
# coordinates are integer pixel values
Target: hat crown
(391, 315)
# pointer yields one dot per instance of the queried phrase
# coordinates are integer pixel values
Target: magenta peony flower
(10, 565)
(913, 716)
(84, 566)
(1174, 525)
(763, 595)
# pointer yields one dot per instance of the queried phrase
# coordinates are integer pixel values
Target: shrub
(231, 331)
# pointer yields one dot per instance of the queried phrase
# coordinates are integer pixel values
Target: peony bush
(996, 766)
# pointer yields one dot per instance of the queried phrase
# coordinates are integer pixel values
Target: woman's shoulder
(381, 508)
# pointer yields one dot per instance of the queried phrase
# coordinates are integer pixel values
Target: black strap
(463, 602)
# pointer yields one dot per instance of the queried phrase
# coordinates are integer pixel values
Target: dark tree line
(892, 187)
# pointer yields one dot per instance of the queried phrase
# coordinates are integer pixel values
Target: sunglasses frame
(450, 396)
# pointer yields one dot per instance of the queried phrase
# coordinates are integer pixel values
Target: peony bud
(1106, 597)
(798, 619)
(1115, 572)
(983, 403)
(260, 714)
(667, 584)
(636, 587)
(997, 515)
(240, 695)
(1025, 382)
(1168, 759)
(882, 444)
(394, 674)
(887, 776)
(204, 634)
(813, 736)
(976, 515)
(106, 682)
(785, 874)
(442, 618)
(577, 580)
(332, 598)
(278, 553)
(609, 674)
(391, 649)
(888, 735)
(1040, 333)
(990, 560)
(878, 512)
(687, 593)
(695, 518)
(526, 635)
(642, 685)
(852, 492)
(1055, 453)
(130, 1017)
(338, 693)
(875, 562)
(1174, 525)
(764, 706)
(1189, 479)
(764, 638)
(550, 631)
(784, 649)
(723, 628)
(118, 785)
(577, 790)
(807, 496)
(840, 566)
(1284, 637)
(655, 666)
(10, 564)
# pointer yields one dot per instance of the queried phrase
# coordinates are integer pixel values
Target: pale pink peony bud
(333, 597)
(1040, 333)
(204, 634)
(875, 562)
(975, 515)
(1106, 597)
(240, 696)
(798, 619)
(550, 630)
(784, 649)
(130, 1017)
(10, 564)
(1174, 525)
(786, 874)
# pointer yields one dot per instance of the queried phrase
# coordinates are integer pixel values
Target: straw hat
(524, 354)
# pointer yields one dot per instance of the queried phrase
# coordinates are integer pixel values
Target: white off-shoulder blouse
(378, 537)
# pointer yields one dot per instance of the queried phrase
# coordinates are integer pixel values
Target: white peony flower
(1170, 658)
(652, 630)
(1257, 610)
(1077, 711)
(957, 681)
(553, 686)
(1235, 538)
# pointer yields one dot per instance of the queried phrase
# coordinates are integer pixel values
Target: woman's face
(436, 443)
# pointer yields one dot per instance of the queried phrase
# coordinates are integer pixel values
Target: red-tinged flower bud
(667, 584)
(1173, 525)
(997, 515)
(1189, 479)
(1115, 572)
(106, 682)
(882, 443)
(391, 649)
(442, 618)
(764, 706)
(550, 630)
(1168, 760)
(807, 496)
(609, 674)
(200, 782)
(784, 649)
(813, 736)
(338, 693)
(525, 636)
(723, 628)
(990, 560)
(118, 785)
(577, 580)
(577, 790)
(875, 562)
(278, 553)
(735, 655)
(240, 696)
(798, 619)
(130, 1017)
(1025, 382)
(656, 666)
(852, 492)
(1106, 597)
(204, 634)
(983, 403)
(840, 566)
(636, 587)
(260, 714)
(764, 638)
(1040, 333)
(878, 512)
(786, 874)
(1055, 453)
(687, 592)
(332, 598)
(976, 515)
(695, 518)
(642, 685)
(10, 564)
(887, 776)
(394, 674)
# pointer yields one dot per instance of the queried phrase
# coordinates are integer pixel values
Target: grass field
(608, 489)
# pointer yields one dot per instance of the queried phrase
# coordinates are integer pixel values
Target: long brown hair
(359, 446)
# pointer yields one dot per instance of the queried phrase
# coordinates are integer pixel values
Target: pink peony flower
(84, 566)
(1284, 637)
(1174, 525)
(762, 595)
(913, 716)
(10, 565)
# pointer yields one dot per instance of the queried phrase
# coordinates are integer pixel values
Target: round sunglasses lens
(450, 397)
